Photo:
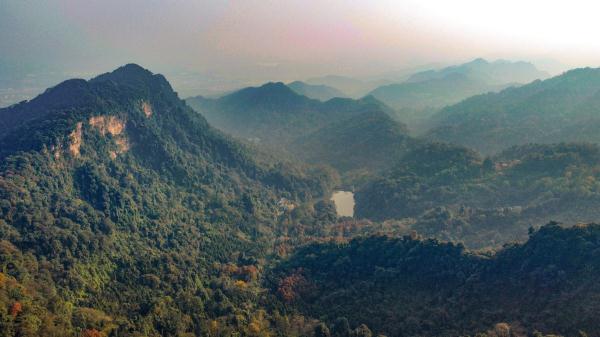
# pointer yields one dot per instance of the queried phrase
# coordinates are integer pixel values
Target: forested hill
(564, 108)
(413, 287)
(452, 193)
(356, 137)
(121, 210)
(274, 114)
(364, 143)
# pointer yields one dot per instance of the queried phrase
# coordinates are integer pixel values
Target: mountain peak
(135, 76)
(271, 92)
(479, 60)
(274, 86)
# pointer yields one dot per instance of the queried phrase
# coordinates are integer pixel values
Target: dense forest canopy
(124, 212)
(413, 287)
(453, 193)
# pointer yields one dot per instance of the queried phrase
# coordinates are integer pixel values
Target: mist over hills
(497, 72)
(559, 109)
(344, 133)
(423, 93)
(272, 113)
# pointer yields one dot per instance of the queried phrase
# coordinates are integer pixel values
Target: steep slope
(411, 287)
(452, 193)
(563, 108)
(121, 209)
(321, 92)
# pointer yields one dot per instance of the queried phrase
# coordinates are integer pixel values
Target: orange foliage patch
(15, 309)
(91, 333)
(290, 287)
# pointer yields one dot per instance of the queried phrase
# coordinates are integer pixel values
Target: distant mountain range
(435, 89)
(498, 72)
(563, 108)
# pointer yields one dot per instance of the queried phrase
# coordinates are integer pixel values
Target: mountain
(344, 133)
(353, 87)
(432, 93)
(561, 109)
(452, 193)
(365, 142)
(425, 92)
(414, 287)
(273, 113)
(123, 212)
(314, 91)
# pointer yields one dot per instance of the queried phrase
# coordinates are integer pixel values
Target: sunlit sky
(251, 40)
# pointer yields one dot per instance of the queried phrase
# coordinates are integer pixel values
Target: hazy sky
(287, 39)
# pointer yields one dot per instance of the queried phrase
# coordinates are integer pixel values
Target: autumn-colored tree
(15, 309)
(289, 286)
(91, 333)
(250, 273)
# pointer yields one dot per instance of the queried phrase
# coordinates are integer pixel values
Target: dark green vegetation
(412, 287)
(452, 193)
(346, 134)
(561, 109)
(365, 143)
(122, 212)
(315, 91)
